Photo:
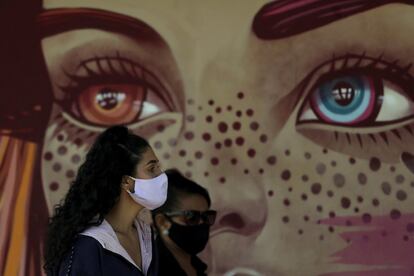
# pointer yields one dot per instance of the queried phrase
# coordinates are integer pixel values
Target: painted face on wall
(301, 131)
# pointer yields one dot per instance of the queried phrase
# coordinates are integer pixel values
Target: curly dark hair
(94, 192)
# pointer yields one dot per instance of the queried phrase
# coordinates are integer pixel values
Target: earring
(165, 232)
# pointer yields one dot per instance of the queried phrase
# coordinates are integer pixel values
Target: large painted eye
(356, 100)
(110, 104)
(107, 98)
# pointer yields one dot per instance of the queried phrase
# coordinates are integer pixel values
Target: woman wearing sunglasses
(183, 223)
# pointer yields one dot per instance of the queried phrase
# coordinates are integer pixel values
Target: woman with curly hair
(99, 229)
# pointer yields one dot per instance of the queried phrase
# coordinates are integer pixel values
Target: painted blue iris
(345, 100)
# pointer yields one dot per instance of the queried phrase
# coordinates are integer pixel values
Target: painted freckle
(286, 175)
(48, 156)
(374, 164)
(386, 188)
(54, 186)
(62, 150)
(362, 179)
(401, 195)
(345, 202)
(339, 180)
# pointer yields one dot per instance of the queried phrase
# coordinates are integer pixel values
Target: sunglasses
(192, 217)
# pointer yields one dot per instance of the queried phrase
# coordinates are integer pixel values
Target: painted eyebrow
(284, 18)
(55, 21)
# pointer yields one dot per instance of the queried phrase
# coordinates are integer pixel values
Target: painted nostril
(232, 220)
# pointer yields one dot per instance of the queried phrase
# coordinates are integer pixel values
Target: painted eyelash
(390, 67)
(139, 76)
(377, 138)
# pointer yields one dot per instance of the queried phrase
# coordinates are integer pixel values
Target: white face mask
(150, 193)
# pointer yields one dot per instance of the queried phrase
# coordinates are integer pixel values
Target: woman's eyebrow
(284, 18)
(153, 161)
(55, 21)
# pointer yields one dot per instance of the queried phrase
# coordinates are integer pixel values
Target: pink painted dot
(251, 153)
(238, 113)
(240, 95)
(240, 141)
(198, 154)
(263, 138)
(222, 179)
(218, 110)
(214, 161)
(236, 125)
(206, 136)
(233, 161)
(209, 119)
(217, 145)
(182, 153)
(228, 142)
(222, 127)
(254, 126)
(249, 112)
(271, 160)
(54, 186)
(189, 135)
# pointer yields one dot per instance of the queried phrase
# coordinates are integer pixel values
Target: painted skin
(232, 115)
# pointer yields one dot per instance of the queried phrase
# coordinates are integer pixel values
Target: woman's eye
(104, 98)
(356, 100)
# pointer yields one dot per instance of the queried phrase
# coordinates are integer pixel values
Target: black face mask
(192, 239)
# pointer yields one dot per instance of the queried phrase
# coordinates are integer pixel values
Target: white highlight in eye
(149, 109)
(395, 105)
(121, 96)
(307, 114)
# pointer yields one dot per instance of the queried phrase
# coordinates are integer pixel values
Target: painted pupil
(343, 93)
(108, 99)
